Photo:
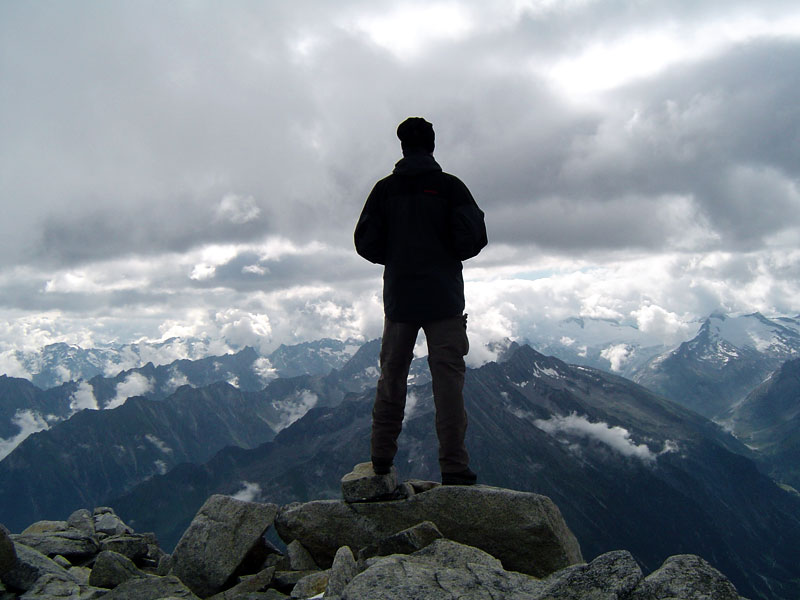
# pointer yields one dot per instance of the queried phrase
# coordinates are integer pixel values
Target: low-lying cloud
(135, 384)
(617, 438)
(28, 422)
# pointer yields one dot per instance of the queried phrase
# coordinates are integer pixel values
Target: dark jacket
(420, 223)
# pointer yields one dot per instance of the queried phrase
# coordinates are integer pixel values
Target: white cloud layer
(28, 422)
(135, 384)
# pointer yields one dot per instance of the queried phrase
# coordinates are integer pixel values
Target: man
(421, 223)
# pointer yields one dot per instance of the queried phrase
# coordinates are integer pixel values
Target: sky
(196, 168)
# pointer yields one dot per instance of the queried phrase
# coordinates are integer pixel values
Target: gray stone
(30, 566)
(421, 485)
(110, 524)
(53, 587)
(219, 539)
(445, 569)
(407, 541)
(80, 574)
(111, 569)
(248, 585)
(45, 527)
(342, 572)
(82, 520)
(62, 561)
(608, 577)
(311, 585)
(8, 557)
(687, 577)
(525, 531)
(299, 558)
(134, 546)
(284, 581)
(151, 588)
(103, 510)
(362, 484)
(72, 544)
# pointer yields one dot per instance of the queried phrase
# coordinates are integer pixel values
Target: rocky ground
(383, 540)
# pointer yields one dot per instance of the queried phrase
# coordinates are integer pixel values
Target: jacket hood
(414, 164)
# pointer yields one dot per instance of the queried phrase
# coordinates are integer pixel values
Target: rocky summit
(384, 540)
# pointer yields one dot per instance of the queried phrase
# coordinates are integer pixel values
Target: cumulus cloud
(135, 384)
(29, 422)
(617, 438)
(83, 398)
(617, 355)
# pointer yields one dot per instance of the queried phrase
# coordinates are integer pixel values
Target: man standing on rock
(421, 223)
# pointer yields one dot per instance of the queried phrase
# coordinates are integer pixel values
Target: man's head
(416, 135)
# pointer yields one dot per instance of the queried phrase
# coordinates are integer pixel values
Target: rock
(420, 485)
(608, 577)
(299, 558)
(62, 561)
(251, 584)
(311, 585)
(110, 524)
(72, 544)
(80, 574)
(133, 546)
(45, 527)
(111, 569)
(525, 531)
(687, 577)
(29, 567)
(445, 569)
(82, 521)
(151, 588)
(284, 581)
(53, 587)
(407, 541)
(341, 573)
(103, 510)
(219, 539)
(363, 484)
(8, 556)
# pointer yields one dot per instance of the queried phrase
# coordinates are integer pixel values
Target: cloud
(135, 384)
(294, 407)
(158, 443)
(617, 355)
(29, 422)
(83, 398)
(250, 492)
(617, 438)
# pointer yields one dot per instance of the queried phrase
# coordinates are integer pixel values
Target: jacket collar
(413, 164)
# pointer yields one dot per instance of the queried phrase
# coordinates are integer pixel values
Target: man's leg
(447, 346)
(397, 349)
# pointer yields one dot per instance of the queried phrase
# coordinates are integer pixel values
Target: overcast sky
(197, 168)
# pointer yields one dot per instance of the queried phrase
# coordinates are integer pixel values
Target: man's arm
(370, 233)
(467, 225)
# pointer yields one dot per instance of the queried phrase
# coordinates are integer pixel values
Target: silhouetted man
(421, 223)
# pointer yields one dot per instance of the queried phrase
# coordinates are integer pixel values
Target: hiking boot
(381, 466)
(465, 477)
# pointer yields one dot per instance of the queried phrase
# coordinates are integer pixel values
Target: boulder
(8, 556)
(525, 531)
(46, 527)
(29, 567)
(311, 585)
(341, 573)
(407, 541)
(608, 577)
(82, 520)
(151, 588)
(53, 587)
(248, 585)
(111, 569)
(72, 544)
(110, 524)
(284, 581)
(363, 484)
(687, 577)
(298, 557)
(445, 569)
(133, 546)
(218, 541)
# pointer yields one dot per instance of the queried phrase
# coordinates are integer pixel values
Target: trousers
(447, 346)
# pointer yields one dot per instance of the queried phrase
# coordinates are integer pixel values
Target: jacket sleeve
(467, 225)
(370, 233)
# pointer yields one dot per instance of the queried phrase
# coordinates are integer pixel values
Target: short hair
(415, 133)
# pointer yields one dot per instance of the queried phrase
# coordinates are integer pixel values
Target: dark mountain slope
(627, 468)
